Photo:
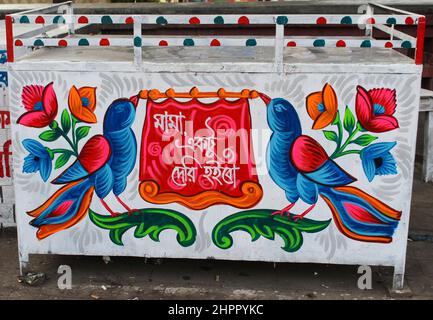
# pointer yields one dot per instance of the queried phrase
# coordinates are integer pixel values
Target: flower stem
(340, 131)
(62, 151)
(343, 153)
(340, 150)
(65, 136)
(74, 138)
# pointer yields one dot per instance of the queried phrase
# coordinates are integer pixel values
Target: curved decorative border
(261, 223)
(147, 222)
(252, 193)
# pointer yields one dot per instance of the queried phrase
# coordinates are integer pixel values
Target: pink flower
(375, 109)
(41, 105)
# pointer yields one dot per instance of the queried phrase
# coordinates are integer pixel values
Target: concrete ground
(137, 278)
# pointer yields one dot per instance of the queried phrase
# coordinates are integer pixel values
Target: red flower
(375, 109)
(41, 105)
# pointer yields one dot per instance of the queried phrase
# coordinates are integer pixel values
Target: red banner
(198, 154)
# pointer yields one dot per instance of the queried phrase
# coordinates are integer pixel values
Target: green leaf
(360, 128)
(75, 120)
(66, 121)
(330, 135)
(50, 152)
(364, 140)
(337, 118)
(147, 222)
(261, 222)
(82, 132)
(62, 160)
(50, 135)
(349, 121)
(54, 125)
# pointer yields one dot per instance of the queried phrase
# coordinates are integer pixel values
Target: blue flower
(377, 160)
(38, 160)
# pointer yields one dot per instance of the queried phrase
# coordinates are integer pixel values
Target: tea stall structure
(282, 148)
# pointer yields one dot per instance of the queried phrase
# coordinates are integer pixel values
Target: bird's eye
(279, 108)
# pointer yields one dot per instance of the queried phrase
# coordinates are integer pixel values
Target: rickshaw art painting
(200, 155)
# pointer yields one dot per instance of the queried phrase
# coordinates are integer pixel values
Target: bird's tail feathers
(360, 216)
(65, 208)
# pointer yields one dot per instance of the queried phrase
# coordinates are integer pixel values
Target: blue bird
(301, 167)
(102, 166)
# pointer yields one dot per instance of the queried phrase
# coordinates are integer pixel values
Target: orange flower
(322, 107)
(82, 103)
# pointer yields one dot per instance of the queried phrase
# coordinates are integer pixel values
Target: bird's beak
(134, 100)
(265, 98)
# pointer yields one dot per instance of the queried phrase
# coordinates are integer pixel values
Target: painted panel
(7, 196)
(296, 167)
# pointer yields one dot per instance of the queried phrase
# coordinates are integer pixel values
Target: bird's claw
(296, 217)
(132, 211)
(279, 212)
(282, 213)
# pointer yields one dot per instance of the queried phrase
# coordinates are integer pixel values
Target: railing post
(419, 51)
(70, 12)
(279, 47)
(368, 26)
(9, 38)
(137, 41)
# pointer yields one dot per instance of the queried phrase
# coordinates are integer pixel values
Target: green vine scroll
(151, 222)
(261, 222)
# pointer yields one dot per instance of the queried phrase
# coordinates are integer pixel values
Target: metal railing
(62, 14)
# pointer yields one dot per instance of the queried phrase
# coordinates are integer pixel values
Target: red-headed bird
(102, 166)
(299, 165)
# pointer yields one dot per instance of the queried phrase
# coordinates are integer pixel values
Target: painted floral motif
(375, 109)
(38, 160)
(322, 107)
(82, 103)
(377, 160)
(41, 105)
(374, 114)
